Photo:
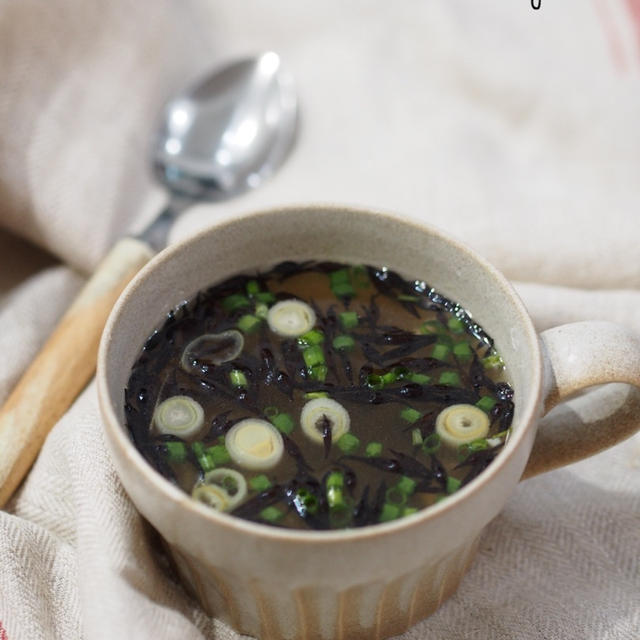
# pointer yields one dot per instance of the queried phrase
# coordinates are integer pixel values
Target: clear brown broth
(157, 375)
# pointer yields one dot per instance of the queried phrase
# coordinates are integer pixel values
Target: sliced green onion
(260, 483)
(266, 297)
(389, 377)
(450, 378)
(456, 325)
(238, 378)
(430, 327)
(419, 378)
(407, 298)
(253, 287)
(375, 381)
(453, 484)
(389, 512)
(249, 324)
(211, 496)
(486, 403)
(493, 361)
(335, 495)
(179, 416)
(232, 482)
(461, 424)
(410, 415)
(272, 515)
(311, 395)
(339, 277)
(348, 319)
(234, 302)
(319, 372)
(310, 338)
(313, 355)
(218, 454)
(407, 485)
(291, 318)
(416, 437)
(262, 311)
(407, 511)
(431, 443)
(254, 444)
(335, 479)
(348, 443)
(462, 351)
(343, 343)
(440, 351)
(343, 290)
(373, 450)
(316, 411)
(212, 349)
(204, 459)
(176, 451)
(283, 422)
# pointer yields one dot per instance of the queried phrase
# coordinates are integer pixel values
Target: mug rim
(117, 434)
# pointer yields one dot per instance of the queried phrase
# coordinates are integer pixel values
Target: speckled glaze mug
(376, 581)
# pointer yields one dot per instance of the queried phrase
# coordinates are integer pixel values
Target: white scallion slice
(316, 411)
(212, 349)
(461, 424)
(254, 444)
(291, 318)
(211, 495)
(232, 482)
(179, 416)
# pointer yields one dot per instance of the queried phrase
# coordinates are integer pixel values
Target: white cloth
(515, 130)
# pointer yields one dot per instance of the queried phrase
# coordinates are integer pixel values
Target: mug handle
(578, 356)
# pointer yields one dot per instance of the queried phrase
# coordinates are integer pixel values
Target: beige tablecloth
(515, 130)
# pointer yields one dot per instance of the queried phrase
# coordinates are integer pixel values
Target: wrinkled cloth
(512, 129)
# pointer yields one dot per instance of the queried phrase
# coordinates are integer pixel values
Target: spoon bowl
(227, 132)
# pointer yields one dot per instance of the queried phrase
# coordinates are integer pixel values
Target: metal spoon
(222, 136)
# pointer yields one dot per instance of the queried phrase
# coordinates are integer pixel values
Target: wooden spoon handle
(64, 365)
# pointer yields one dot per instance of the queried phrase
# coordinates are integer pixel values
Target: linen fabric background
(515, 130)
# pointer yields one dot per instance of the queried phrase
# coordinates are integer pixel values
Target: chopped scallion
(238, 378)
(462, 351)
(410, 415)
(234, 302)
(253, 287)
(262, 310)
(431, 443)
(486, 403)
(373, 450)
(202, 456)
(271, 411)
(348, 319)
(453, 484)
(249, 323)
(176, 451)
(272, 515)
(440, 351)
(451, 378)
(260, 483)
(319, 372)
(407, 511)
(310, 338)
(218, 454)
(313, 355)
(406, 485)
(430, 327)
(395, 495)
(266, 297)
(343, 343)
(419, 378)
(407, 298)
(493, 361)
(312, 395)
(456, 325)
(389, 512)
(416, 437)
(348, 443)
(283, 422)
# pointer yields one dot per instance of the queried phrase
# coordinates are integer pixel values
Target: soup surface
(319, 395)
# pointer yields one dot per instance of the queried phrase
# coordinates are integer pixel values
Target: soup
(319, 395)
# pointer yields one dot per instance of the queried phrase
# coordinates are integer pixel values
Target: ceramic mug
(375, 581)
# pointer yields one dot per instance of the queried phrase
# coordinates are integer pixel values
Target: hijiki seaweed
(371, 359)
